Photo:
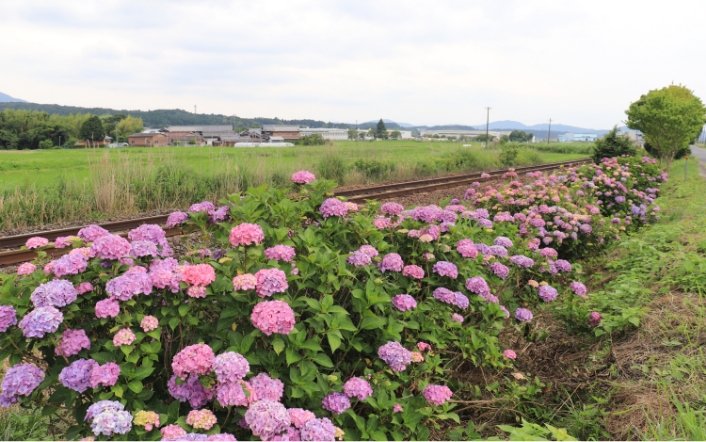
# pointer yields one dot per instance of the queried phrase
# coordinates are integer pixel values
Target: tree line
(24, 129)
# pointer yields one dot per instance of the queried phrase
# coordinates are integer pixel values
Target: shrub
(613, 145)
(332, 167)
(508, 155)
(373, 168)
(243, 328)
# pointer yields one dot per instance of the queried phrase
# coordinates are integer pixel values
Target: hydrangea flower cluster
(523, 315)
(396, 356)
(201, 419)
(105, 375)
(413, 271)
(20, 380)
(318, 430)
(110, 247)
(55, 293)
(36, 242)
(336, 403)
(391, 262)
(92, 233)
(124, 336)
(72, 342)
(41, 321)
(147, 419)
(108, 418)
(267, 388)
(195, 359)
(267, 418)
(107, 308)
(270, 281)
(547, 293)
(333, 207)
(71, 264)
(198, 277)
(357, 388)
(578, 288)
(445, 268)
(149, 323)
(273, 317)
(8, 317)
(437, 394)
(176, 219)
(136, 281)
(26, 269)
(246, 234)
(281, 252)
(404, 302)
(244, 282)
(165, 274)
(190, 391)
(303, 177)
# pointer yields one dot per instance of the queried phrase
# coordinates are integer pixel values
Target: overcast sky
(419, 62)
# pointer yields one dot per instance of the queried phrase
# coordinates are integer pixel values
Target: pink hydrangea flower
(244, 282)
(270, 281)
(105, 375)
(267, 388)
(149, 323)
(413, 271)
(510, 354)
(199, 274)
(124, 336)
(201, 419)
(397, 408)
(357, 388)
(423, 346)
(391, 262)
(437, 394)
(238, 393)
(333, 207)
(273, 317)
(404, 302)
(392, 208)
(299, 416)
(303, 177)
(455, 317)
(36, 242)
(195, 359)
(107, 308)
(84, 287)
(594, 319)
(245, 234)
(72, 342)
(281, 252)
(172, 432)
(396, 356)
(26, 269)
(267, 418)
(417, 357)
(352, 207)
(110, 247)
(230, 367)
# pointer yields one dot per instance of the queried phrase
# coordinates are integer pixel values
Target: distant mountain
(168, 117)
(4, 98)
(556, 128)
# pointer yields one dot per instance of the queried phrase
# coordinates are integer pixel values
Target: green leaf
(184, 309)
(322, 360)
(278, 345)
(135, 386)
(292, 356)
(334, 341)
(173, 322)
(372, 322)
(118, 390)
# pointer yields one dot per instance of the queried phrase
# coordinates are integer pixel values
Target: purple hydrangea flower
(445, 268)
(230, 367)
(20, 380)
(333, 207)
(92, 233)
(522, 261)
(578, 288)
(267, 388)
(55, 293)
(359, 259)
(76, 376)
(391, 262)
(8, 317)
(396, 356)
(499, 269)
(267, 418)
(72, 342)
(318, 430)
(41, 321)
(547, 293)
(336, 403)
(477, 285)
(523, 315)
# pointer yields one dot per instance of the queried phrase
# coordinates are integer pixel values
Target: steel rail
(360, 195)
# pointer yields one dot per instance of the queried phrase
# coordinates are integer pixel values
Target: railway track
(360, 195)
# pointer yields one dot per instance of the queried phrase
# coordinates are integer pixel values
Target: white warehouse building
(326, 132)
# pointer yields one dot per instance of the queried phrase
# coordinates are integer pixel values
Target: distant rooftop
(204, 128)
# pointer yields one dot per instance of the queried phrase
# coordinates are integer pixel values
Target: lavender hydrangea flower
(336, 403)
(523, 315)
(176, 219)
(396, 356)
(20, 380)
(445, 268)
(359, 259)
(477, 284)
(578, 288)
(8, 317)
(522, 261)
(55, 293)
(318, 430)
(267, 418)
(72, 342)
(108, 418)
(230, 367)
(499, 269)
(41, 321)
(77, 376)
(267, 388)
(503, 241)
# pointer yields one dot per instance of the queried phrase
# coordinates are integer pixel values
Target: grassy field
(40, 187)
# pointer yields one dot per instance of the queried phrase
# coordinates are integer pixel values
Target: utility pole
(194, 108)
(487, 125)
(549, 134)
(356, 131)
(116, 134)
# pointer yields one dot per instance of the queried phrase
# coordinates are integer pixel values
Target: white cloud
(579, 63)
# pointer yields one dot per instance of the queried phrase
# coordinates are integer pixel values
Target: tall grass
(131, 181)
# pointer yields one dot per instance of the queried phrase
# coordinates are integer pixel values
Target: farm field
(48, 186)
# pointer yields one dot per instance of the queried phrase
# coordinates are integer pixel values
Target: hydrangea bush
(306, 318)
